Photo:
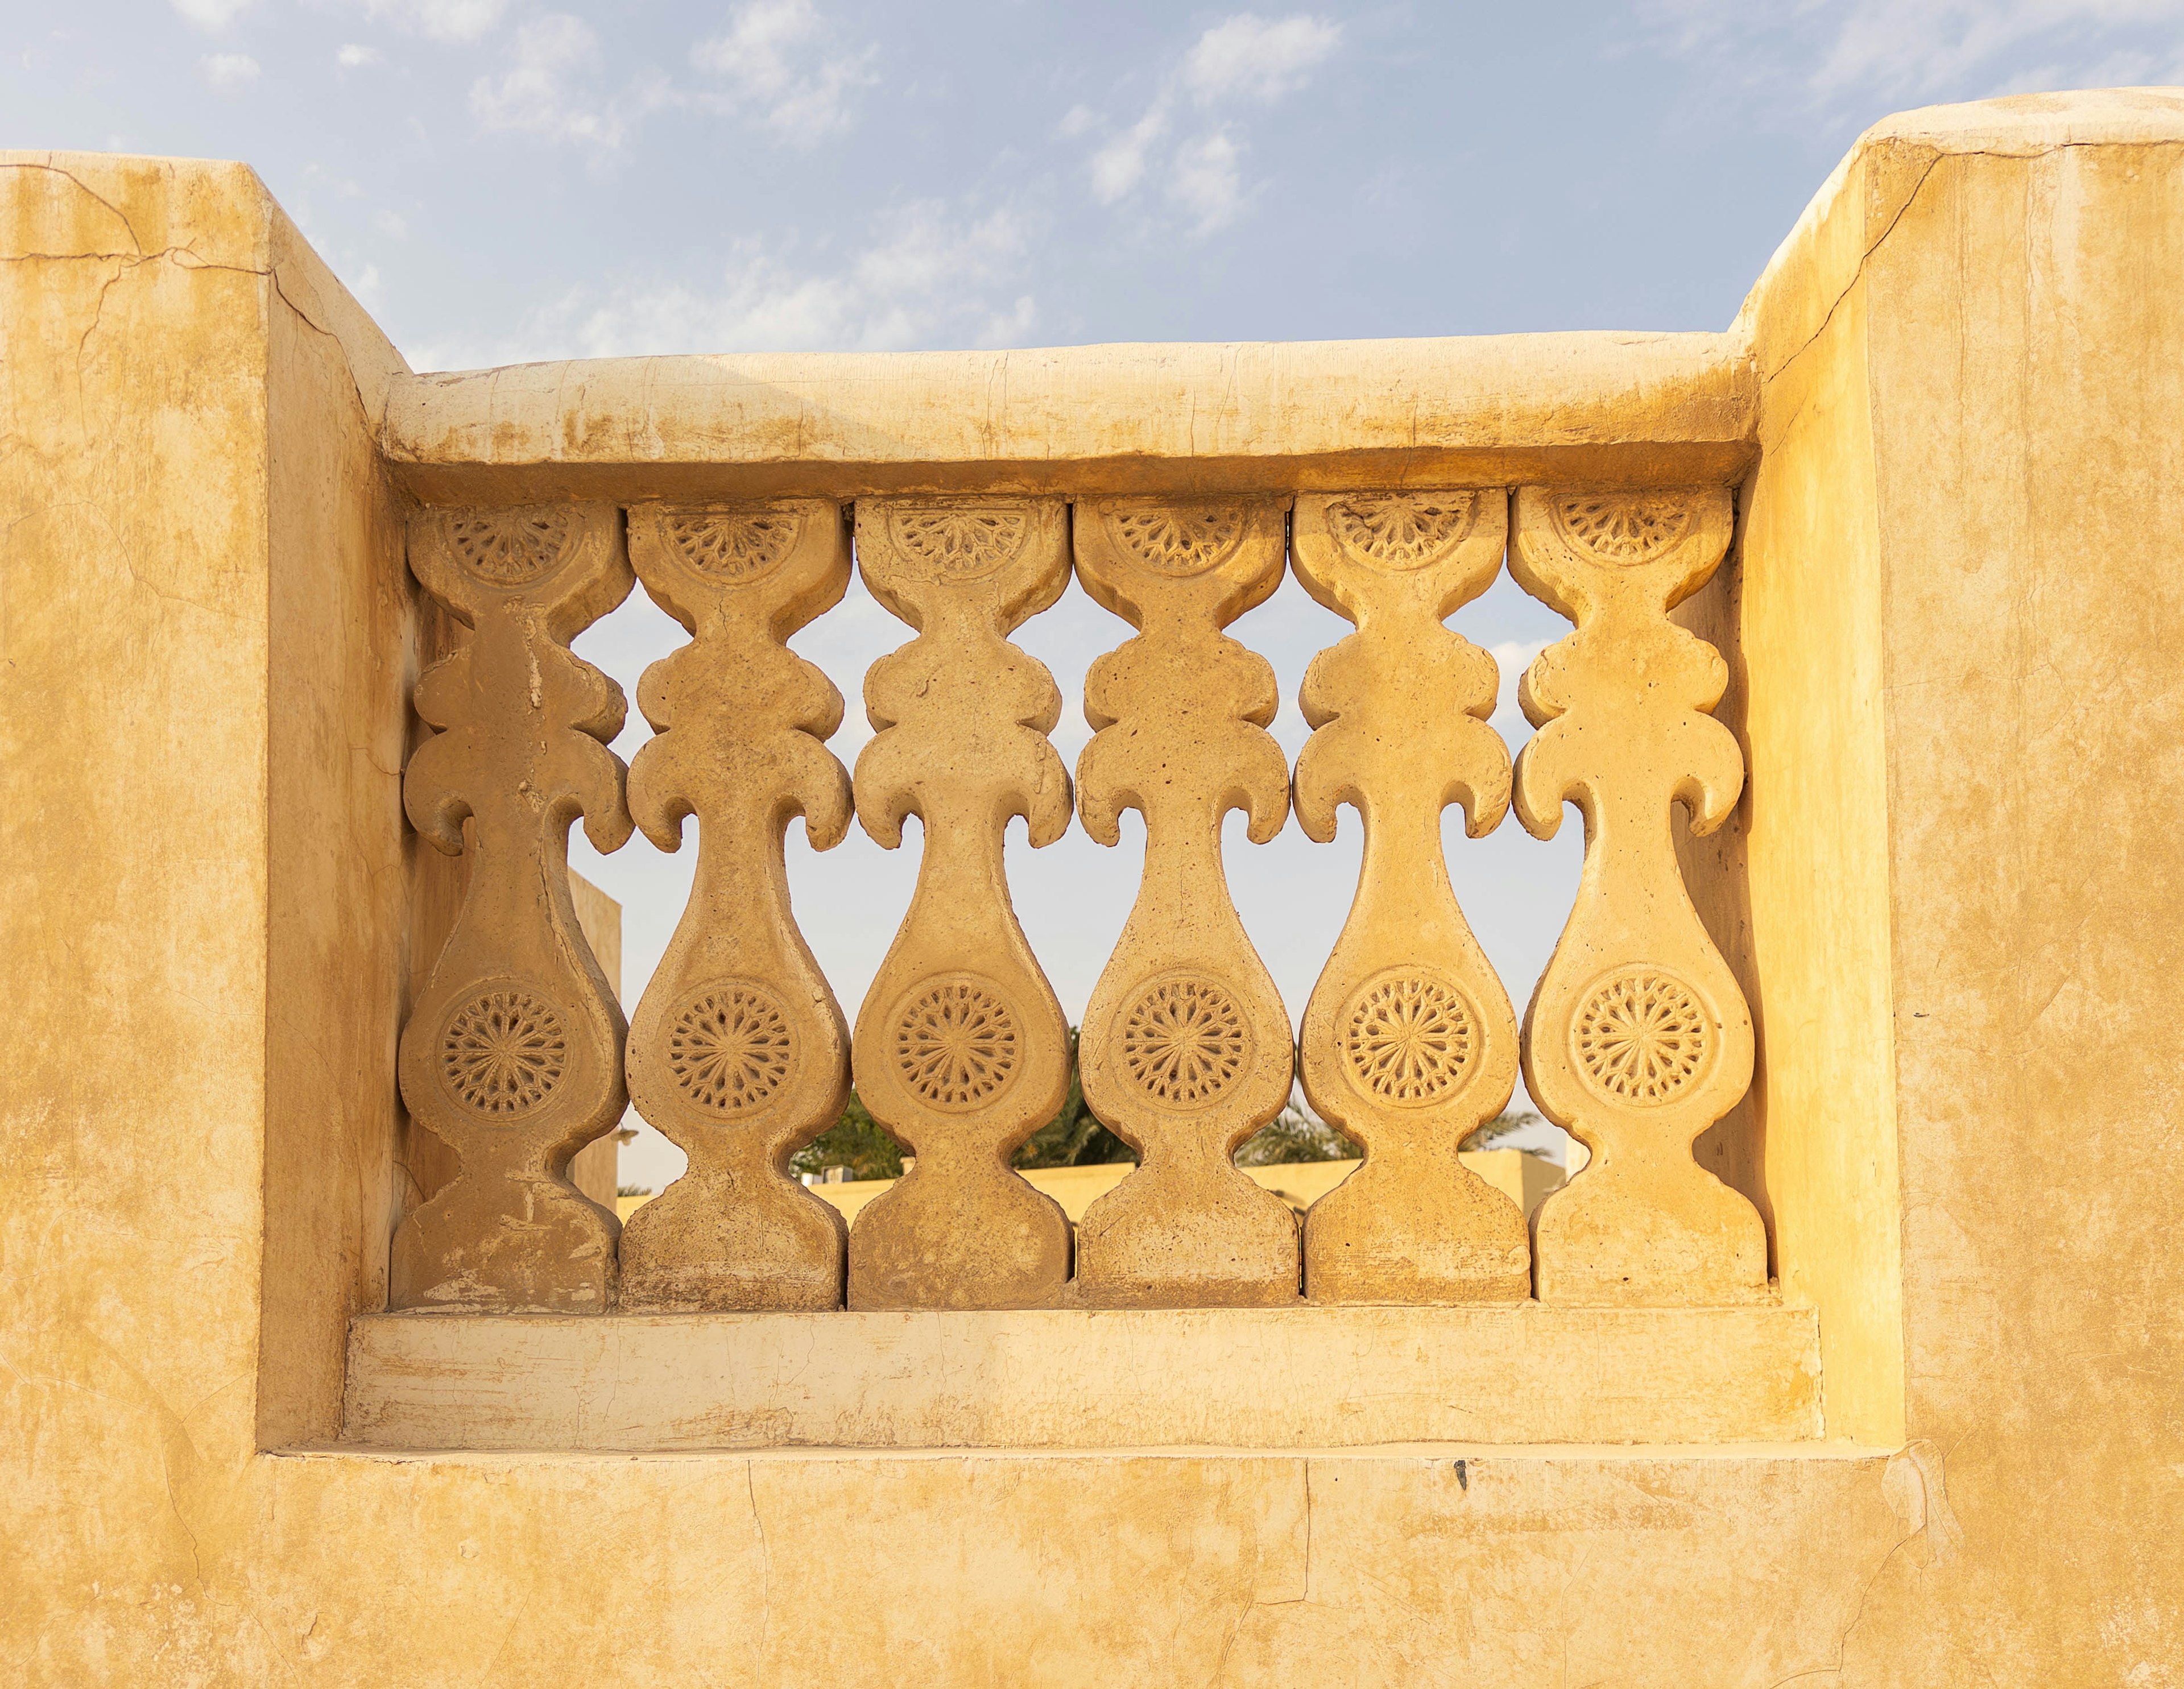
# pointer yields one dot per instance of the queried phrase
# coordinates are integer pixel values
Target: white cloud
(542, 91)
(391, 224)
(352, 56)
(783, 61)
(1118, 167)
(211, 15)
(1866, 52)
(927, 277)
(228, 73)
(1243, 57)
(450, 20)
(1205, 181)
(1248, 55)
(1012, 327)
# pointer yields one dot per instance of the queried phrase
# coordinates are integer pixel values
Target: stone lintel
(1486, 410)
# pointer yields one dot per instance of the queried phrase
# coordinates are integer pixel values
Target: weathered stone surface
(1956, 879)
(512, 1055)
(1409, 1044)
(1637, 1038)
(961, 1050)
(738, 1052)
(1186, 1047)
(1085, 421)
(1248, 1378)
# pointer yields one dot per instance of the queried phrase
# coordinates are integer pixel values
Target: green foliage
(633, 1191)
(1294, 1136)
(1500, 1127)
(856, 1142)
(1074, 1138)
(865, 1149)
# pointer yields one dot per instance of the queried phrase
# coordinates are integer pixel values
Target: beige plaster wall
(1992, 298)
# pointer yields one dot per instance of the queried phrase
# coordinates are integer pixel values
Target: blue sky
(500, 181)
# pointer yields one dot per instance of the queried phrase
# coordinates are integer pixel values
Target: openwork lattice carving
(961, 1050)
(958, 543)
(503, 1051)
(1638, 1040)
(1622, 527)
(1178, 540)
(1186, 1050)
(1642, 1036)
(512, 1055)
(737, 1052)
(1410, 1039)
(512, 547)
(731, 1047)
(957, 1044)
(737, 546)
(1402, 530)
(1184, 1040)
(1404, 1054)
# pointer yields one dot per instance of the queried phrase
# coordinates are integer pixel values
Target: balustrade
(1636, 1040)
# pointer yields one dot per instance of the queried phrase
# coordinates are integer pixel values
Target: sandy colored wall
(1969, 517)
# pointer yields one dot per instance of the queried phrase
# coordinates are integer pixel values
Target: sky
(500, 181)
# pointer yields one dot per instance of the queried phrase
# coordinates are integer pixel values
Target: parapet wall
(1948, 892)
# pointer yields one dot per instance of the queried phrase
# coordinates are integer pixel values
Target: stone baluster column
(738, 1052)
(512, 1055)
(961, 1050)
(1409, 1043)
(1637, 1038)
(1186, 1050)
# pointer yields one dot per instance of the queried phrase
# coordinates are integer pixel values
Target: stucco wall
(1968, 522)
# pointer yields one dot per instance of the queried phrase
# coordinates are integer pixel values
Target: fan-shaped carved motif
(1622, 527)
(1178, 540)
(1402, 531)
(734, 546)
(1410, 1038)
(511, 548)
(961, 544)
(1642, 1036)
(730, 1048)
(503, 1051)
(956, 1047)
(1184, 1040)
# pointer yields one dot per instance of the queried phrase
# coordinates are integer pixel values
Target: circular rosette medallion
(1624, 529)
(1402, 531)
(1411, 1037)
(955, 543)
(1642, 1036)
(1178, 540)
(957, 1045)
(1183, 1040)
(512, 547)
(731, 1047)
(734, 547)
(503, 1051)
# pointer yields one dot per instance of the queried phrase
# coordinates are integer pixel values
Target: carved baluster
(1637, 1038)
(1409, 1040)
(513, 1054)
(738, 1052)
(961, 1050)
(1185, 1050)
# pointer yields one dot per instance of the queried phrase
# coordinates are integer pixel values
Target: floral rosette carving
(1409, 1041)
(1637, 1040)
(737, 1052)
(512, 1054)
(1185, 1049)
(961, 1048)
